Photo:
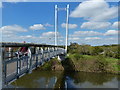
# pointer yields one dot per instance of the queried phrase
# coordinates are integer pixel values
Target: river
(59, 79)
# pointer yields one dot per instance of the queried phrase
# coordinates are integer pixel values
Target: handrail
(10, 44)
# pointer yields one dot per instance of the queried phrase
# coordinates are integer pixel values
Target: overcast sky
(93, 22)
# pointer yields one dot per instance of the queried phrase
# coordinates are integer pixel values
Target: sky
(93, 22)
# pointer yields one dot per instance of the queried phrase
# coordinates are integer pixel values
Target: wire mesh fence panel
(11, 68)
(39, 58)
(33, 61)
(24, 63)
(11, 71)
(45, 56)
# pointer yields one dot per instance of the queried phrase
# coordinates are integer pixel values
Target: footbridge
(14, 66)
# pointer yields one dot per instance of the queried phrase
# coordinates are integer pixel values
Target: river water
(57, 79)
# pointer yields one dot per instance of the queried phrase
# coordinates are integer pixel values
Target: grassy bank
(53, 64)
(85, 63)
(88, 63)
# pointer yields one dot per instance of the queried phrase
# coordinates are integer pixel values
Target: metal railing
(15, 67)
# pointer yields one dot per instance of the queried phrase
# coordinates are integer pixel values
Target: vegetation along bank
(88, 58)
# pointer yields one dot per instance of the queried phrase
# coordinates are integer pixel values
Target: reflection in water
(59, 79)
(38, 79)
(92, 80)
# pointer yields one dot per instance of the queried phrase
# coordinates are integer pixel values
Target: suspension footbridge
(13, 67)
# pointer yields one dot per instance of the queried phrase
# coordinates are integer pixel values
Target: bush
(78, 56)
(102, 63)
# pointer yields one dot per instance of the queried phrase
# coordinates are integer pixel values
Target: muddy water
(57, 79)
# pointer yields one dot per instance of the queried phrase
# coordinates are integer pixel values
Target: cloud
(95, 10)
(9, 33)
(19, 38)
(71, 26)
(116, 24)
(48, 25)
(96, 41)
(37, 27)
(86, 33)
(11, 29)
(111, 32)
(92, 38)
(27, 36)
(50, 34)
(95, 25)
(74, 39)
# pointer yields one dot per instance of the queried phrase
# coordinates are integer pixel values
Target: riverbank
(88, 63)
(84, 63)
(52, 65)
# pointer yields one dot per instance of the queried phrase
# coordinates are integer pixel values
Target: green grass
(49, 64)
(89, 63)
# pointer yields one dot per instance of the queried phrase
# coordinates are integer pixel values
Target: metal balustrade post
(29, 59)
(3, 66)
(48, 53)
(20, 66)
(17, 73)
(5, 72)
(9, 52)
(36, 52)
(44, 54)
(1, 69)
(52, 51)
(27, 64)
(42, 51)
(3, 53)
(56, 51)
(30, 64)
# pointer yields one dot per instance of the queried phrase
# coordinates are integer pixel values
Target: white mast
(56, 25)
(67, 28)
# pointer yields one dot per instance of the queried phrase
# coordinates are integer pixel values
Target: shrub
(102, 63)
(78, 56)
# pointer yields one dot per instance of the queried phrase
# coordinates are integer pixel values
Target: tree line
(105, 50)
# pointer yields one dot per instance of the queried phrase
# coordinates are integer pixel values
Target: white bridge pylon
(56, 24)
